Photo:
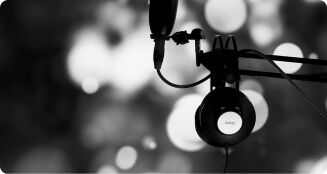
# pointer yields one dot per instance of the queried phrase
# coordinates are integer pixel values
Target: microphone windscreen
(162, 15)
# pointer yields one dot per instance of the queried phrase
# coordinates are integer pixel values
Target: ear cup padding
(214, 104)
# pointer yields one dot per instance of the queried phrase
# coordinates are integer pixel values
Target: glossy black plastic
(213, 106)
(162, 15)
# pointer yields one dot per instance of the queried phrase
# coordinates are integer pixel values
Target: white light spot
(149, 143)
(89, 57)
(107, 169)
(291, 50)
(313, 56)
(182, 11)
(1, 172)
(1, 1)
(252, 85)
(226, 16)
(190, 26)
(203, 88)
(304, 166)
(255, 1)
(112, 14)
(260, 107)
(262, 34)
(126, 157)
(320, 167)
(181, 125)
(132, 69)
(90, 85)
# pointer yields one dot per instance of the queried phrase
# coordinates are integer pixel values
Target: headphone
(225, 115)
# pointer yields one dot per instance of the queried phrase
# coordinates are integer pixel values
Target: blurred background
(79, 94)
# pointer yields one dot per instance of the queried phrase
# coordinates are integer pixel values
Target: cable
(226, 150)
(287, 78)
(182, 86)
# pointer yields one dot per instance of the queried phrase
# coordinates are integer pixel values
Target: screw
(230, 78)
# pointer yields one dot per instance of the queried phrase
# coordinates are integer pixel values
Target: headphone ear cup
(214, 106)
(200, 128)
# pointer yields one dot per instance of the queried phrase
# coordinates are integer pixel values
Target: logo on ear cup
(230, 108)
(229, 123)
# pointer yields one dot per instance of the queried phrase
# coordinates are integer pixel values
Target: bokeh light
(89, 57)
(149, 143)
(1, 172)
(304, 166)
(255, 1)
(181, 124)
(189, 26)
(182, 11)
(104, 48)
(203, 88)
(260, 107)
(132, 69)
(107, 169)
(320, 167)
(226, 16)
(313, 56)
(90, 85)
(264, 22)
(291, 50)
(114, 15)
(253, 85)
(262, 34)
(126, 157)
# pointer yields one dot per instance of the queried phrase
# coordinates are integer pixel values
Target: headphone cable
(226, 163)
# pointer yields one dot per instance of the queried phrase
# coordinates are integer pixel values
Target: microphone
(162, 15)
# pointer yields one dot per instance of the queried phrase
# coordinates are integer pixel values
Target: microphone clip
(182, 37)
(160, 37)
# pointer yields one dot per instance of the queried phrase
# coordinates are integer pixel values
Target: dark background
(49, 123)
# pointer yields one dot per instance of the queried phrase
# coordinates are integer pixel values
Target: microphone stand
(222, 56)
